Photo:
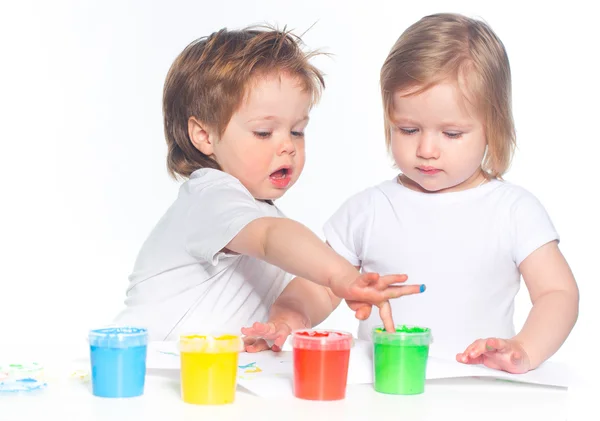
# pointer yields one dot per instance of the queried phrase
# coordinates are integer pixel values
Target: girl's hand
(501, 354)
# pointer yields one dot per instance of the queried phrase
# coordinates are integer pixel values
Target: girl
(448, 219)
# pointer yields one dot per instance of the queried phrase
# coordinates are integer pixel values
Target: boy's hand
(371, 289)
(276, 330)
(501, 354)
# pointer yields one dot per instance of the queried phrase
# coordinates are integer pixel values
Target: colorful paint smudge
(21, 378)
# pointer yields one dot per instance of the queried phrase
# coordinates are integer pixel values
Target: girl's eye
(408, 131)
(297, 134)
(453, 135)
(262, 135)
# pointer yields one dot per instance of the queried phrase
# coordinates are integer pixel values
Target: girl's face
(263, 143)
(437, 139)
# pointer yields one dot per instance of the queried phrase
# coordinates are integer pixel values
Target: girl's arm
(555, 298)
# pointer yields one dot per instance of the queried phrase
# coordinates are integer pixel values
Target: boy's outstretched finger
(402, 290)
(385, 312)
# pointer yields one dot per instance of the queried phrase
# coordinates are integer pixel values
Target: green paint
(400, 360)
(404, 329)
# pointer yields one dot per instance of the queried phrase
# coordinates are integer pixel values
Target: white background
(82, 159)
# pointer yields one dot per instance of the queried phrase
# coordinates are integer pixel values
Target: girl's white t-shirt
(182, 281)
(465, 246)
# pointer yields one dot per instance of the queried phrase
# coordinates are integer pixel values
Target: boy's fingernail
(422, 287)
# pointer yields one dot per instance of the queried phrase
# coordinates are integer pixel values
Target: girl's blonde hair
(451, 46)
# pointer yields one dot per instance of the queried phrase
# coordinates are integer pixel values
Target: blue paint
(247, 365)
(21, 385)
(118, 359)
(422, 289)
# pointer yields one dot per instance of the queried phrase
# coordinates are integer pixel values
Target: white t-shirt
(182, 282)
(464, 246)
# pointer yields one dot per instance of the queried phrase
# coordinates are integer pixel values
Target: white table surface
(67, 397)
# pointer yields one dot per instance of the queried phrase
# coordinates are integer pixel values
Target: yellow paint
(253, 370)
(209, 369)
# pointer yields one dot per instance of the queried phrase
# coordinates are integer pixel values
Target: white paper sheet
(269, 374)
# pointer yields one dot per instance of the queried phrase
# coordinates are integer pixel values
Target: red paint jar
(321, 364)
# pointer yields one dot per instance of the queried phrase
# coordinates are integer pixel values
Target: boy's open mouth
(281, 173)
(281, 178)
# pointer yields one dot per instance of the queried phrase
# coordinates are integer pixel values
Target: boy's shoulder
(212, 180)
(223, 190)
(209, 176)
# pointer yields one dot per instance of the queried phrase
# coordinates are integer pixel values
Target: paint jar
(400, 359)
(209, 368)
(118, 360)
(321, 360)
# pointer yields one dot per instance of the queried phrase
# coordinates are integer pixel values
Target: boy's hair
(451, 46)
(211, 77)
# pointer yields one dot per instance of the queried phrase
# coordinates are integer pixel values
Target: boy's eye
(453, 135)
(297, 134)
(262, 135)
(408, 131)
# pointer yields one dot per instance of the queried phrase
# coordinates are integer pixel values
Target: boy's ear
(201, 137)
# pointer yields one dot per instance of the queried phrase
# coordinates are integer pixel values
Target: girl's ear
(201, 137)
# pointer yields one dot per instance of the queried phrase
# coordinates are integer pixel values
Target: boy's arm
(314, 303)
(294, 248)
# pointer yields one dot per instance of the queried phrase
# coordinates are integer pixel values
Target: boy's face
(437, 139)
(263, 144)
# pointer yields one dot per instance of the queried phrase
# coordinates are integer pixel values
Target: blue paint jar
(118, 360)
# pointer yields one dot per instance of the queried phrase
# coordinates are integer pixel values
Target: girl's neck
(477, 179)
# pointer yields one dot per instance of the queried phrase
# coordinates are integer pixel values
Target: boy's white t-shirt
(465, 246)
(183, 282)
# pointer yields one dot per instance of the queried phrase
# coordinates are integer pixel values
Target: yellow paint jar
(209, 368)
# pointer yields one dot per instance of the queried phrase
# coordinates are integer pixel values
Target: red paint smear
(319, 334)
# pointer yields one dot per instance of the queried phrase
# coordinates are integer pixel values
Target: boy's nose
(287, 146)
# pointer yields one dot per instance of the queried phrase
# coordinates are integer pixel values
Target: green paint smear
(405, 329)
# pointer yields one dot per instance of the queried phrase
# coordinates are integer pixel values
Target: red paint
(321, 364)
(317, 334)
(320, 375)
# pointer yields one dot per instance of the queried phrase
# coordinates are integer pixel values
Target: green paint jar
(400, 359)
